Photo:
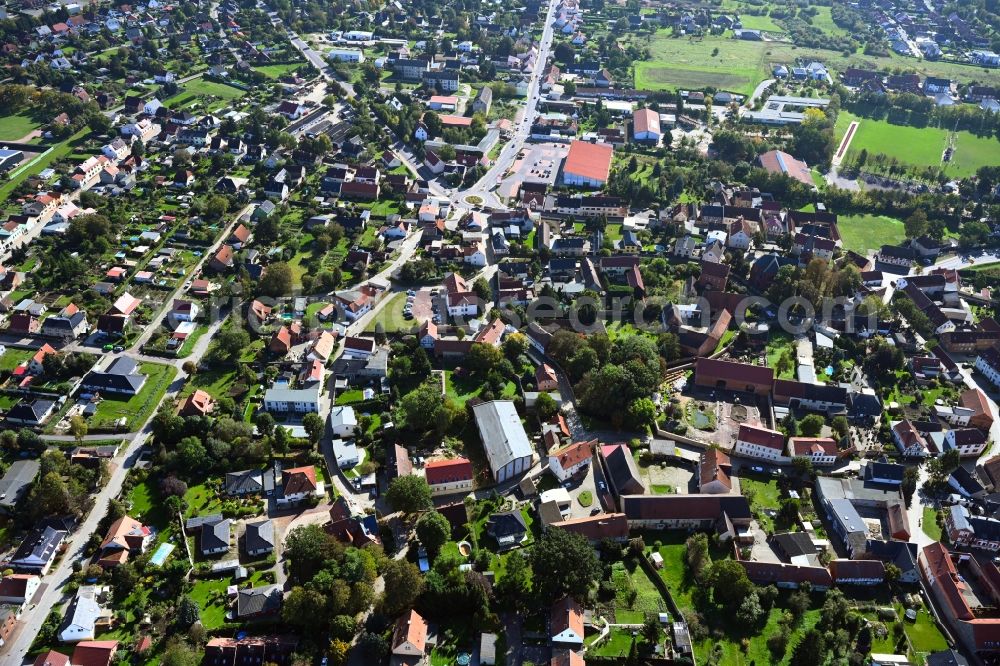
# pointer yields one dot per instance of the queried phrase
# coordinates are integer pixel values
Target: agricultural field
(919, 146)
(869, 232)
(738, 66)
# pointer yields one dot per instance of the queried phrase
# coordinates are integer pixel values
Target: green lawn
(763, 494)
(13, 128)
(391, 316)
(207, 593)
(765, 23)
(862, 233)
(137, 408)
(777, 345)
(930, 525)
(196, 88)
(216, 382)
(14, 357)
(192, 340)
(277, 71)
(919, 146)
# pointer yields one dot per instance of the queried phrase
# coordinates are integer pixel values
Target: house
(966, 530)
(358, 347)
(30, 412)
(19, 589)
(909, 440)
(507, 528)
(94, 653)
(546, 378)
(69, 324)
(409, 636)
(507, 447)
(483, 101)
(343, 421)
(255, 602)
(299, 483)
(214, 535)
(246, 482)
(250, 650)
(121, 377)
(15, 483)
(587, 164)
(732, 376)
(729, 516)
(821, 451)
(85, 614)
(595, 529)
(198, 403)
(38, 550)
(714, 468)
(566, 623)
(760, 443)
(126, 537)
(857, 572)
(620, 470)
(258, 538)
(566, 462)
(714, 276)
(279, 399)
(449, 475)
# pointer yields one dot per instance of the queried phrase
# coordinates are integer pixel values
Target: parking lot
(420, 304)
(540, 164)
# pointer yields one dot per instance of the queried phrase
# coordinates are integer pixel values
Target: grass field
(919, 146)
(202, 88)
(869, 232)
(277, 71)
(765, 23)
(739, 65)
(391, 316)
(13, 128)
(929, 524)
(59, 152)
(15, 357)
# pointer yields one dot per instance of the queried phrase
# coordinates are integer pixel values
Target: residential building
(760, 443)
(449, 475)
(821, 451)
(729, 516)
(568, 461)
(714, 468)
(126, 537)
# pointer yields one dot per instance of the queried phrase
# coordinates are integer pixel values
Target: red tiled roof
(574, 454)
(94, 653)
(589, 160)
(761, 436)
(52, 658)
(448, 470)
(299, 480)
(806, 446)
(596, 528)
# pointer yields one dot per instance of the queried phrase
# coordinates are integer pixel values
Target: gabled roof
(299, 480)
(259, 535)
(761, 436)
(574, 454)
(410, 628)
(448, 470)
(565, 615)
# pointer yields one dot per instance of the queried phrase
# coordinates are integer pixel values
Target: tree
(403, 584)
(265, 423)
(338, 648)
(304, 608)
(892, 573)
(728, 582)
(812, 425)
(188, 612)
(916, 224)
(840, 426)
(314, 426)
(229, 343)
(696, 555)
(78, 428)
(49, 496)
(545, 407)
(651, 629)
(641, 412)
(409, 494)
(308, 548)
(909, 486)
(563, 563)
(803, 466)
(482, 289)
(810, 650)
(278, 280)
(484, 357)
(515, 585)
(750, 611)
(433, 530)
(179, 653)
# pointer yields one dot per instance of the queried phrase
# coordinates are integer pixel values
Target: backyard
(13, 128)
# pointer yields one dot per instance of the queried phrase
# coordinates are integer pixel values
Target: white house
(280, 399)
(343, 421)
(685, 246)
(84, 615)
(760, 443)
(988, 363)
(970, 442)
(908, 439)
(447, 476)
(117, 150)
(463, 304)
(569, 460)
(151, 107)
(19, 588)
(822, 451)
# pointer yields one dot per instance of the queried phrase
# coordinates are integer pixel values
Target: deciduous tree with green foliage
(433, 530)
(409, 494)
(563, 563)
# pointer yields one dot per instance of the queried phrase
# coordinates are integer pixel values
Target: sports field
(869, 232)
(919, 146)
(13, 128)
(685, 62)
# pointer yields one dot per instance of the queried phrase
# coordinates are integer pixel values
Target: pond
(699, 419)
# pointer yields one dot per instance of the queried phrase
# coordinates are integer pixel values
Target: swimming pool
(161, 553)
